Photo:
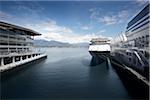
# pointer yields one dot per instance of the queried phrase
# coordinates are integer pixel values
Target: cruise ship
(99, 48)
(134, 51)
(16, 46)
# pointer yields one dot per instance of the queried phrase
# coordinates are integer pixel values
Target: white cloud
(95, 12)
(32, 8)
(108, 20)
(49, 26)
(141, 2)
(52, 31)
(121, 17)
(101, 31)
(71, 38)
(123, 14)
(86, 27)
(5, 16)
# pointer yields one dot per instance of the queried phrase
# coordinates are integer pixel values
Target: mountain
(83, 44)
(53, 43)
(50, 43)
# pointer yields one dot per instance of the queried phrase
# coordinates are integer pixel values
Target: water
(65, 74)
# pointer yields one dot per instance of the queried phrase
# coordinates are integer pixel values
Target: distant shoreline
(60, 47)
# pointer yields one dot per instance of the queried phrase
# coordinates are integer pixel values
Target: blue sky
(71, 21)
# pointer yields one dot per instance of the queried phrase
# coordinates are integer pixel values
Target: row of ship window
(143, 13)
(138, 26)
(142, 41)
(139, 42)
(131, 27)
(141, 26)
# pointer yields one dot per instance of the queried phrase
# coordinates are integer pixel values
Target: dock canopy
(27, 31)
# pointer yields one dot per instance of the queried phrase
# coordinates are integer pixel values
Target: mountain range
(52, 43)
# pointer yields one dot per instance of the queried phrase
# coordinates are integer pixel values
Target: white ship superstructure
(100, 45)
(16, 46)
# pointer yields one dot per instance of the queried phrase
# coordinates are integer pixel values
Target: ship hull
(134, 86)
(98, 57)
(132, 62)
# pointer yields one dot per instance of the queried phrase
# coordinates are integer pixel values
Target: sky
(71, 21)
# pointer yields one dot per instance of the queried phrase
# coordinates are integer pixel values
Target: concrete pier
(4, 65)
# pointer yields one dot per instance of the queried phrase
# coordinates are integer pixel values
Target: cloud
(49, 26)
(95, 12)
(86, 27)
(32, 7)
(50, 30)
(25, 12)
(5, 16)
(141, 2)
(108, 19)
(71, 38)
(121, 17)
(101, 31)
(123, 14)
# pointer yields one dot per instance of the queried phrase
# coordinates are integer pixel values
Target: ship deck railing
(147, 49)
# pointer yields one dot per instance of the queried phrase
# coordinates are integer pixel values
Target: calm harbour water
(65, 74)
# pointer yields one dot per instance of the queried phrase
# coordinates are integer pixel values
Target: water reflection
(96, 61)
(104, 81)
(65, 74)
(120, 80)
(21, 69)
(135, 88)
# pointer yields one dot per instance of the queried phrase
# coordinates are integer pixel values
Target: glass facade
(14, 42)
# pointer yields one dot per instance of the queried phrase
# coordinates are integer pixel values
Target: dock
(16, 46)
(28, 58)
(110, 61)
